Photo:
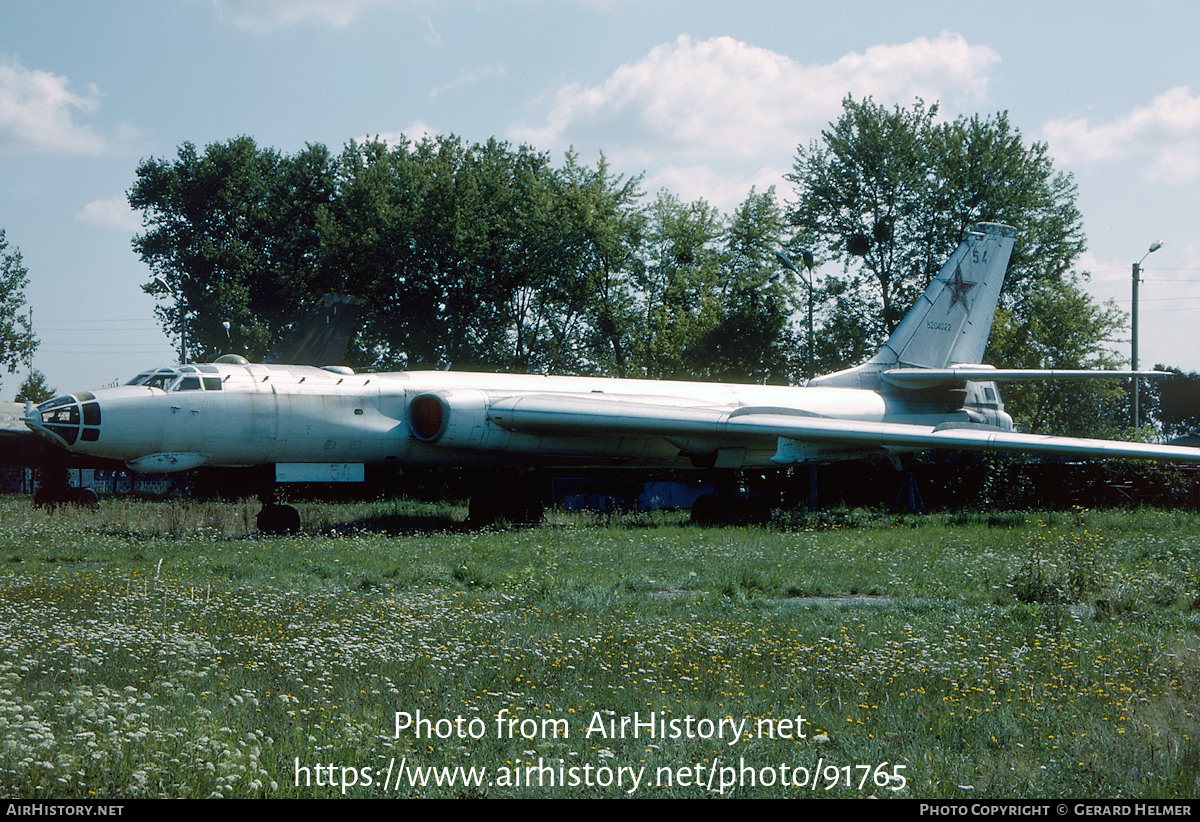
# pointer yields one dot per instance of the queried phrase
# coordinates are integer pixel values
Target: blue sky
(705, 99)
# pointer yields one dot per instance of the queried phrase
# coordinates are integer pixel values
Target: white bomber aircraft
(924, 389)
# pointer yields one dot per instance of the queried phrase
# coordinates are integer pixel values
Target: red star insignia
(960, 287)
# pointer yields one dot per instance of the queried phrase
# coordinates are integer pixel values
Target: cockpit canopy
(180, 378)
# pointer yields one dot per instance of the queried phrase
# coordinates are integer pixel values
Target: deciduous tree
(1062, 327)
(232, 232)
(35, 389)
(17, 341)
(889, 193)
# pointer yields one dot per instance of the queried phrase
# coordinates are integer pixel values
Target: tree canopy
(478, 256)
(35, 389)
(233, 234)
(17, 341)
(1173, 403)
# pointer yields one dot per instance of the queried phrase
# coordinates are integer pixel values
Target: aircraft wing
(551, 415)
(19, 445)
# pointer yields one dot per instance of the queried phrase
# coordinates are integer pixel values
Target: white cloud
(113, 213)
(467, 77)
(717, 102)
(264, 15)
(719, 188)
(37, 111)
(1163, 137)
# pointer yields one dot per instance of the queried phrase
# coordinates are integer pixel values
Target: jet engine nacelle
(455, 419)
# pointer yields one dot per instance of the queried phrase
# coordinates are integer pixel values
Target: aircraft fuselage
(242, 415)
(924, 388)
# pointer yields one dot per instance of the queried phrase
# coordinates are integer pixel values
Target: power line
(141, 320)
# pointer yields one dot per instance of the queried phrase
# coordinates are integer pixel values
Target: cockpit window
(61, 416)
(168, 379)
(162, 381)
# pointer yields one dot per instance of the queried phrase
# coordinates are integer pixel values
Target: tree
(709, 309)
(461, 251)
(35, 389)
(899, 190)
(605, 232)
(753, 341)
(17, 342)
(1062, 328)
(233, 234)
(1174, 402)
(678, 287)
(476, 255)
(889, 193)
(865, 191)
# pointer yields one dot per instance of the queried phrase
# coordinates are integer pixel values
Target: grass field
(165, 649)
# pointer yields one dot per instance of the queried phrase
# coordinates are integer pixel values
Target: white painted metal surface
(924, 389)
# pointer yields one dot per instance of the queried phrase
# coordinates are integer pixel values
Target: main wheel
(508, 496)
(278, 519)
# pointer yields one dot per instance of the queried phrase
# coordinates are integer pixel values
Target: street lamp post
(814, 500)
(808, 264)
(1137, 275)
(182, 315)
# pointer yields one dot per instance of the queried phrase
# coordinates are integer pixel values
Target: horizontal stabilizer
(933, 377)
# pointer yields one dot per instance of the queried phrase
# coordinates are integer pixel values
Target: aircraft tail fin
(951, 321)
(321, 338)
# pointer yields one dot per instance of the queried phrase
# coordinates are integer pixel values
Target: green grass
(165, 649)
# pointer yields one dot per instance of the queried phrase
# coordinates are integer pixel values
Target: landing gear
(87, 498)
(729, 505)
(278, 519)
(54, 489)
(909, 495)
(510, 495)
(730, 509)
(275, 517)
